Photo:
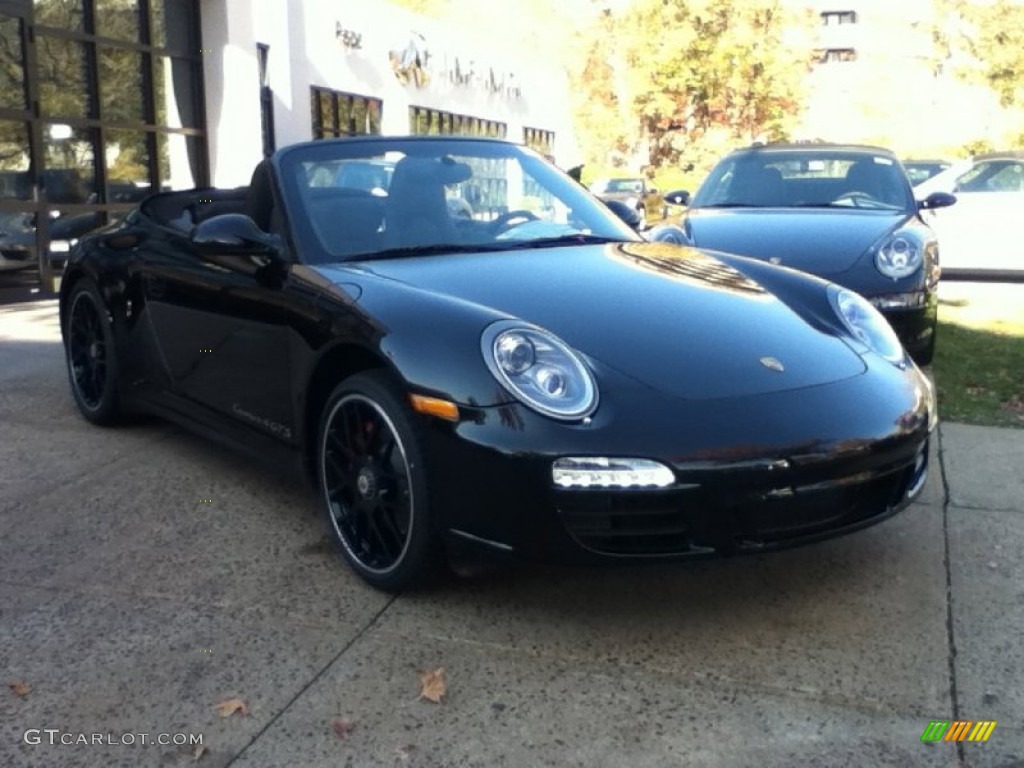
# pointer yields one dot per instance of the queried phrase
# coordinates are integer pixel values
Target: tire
(373, 481)
(924, 354)
(91, 355)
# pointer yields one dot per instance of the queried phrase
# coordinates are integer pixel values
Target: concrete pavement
(146, 575)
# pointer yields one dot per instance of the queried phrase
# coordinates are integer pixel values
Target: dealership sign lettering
(415, 64)
(347, 37)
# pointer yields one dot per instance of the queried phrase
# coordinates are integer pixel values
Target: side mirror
(234, 233)
(679, 197)
(627, 213)
(936, 200)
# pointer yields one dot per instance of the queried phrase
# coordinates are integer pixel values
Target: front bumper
(914, 326)
(783, 470)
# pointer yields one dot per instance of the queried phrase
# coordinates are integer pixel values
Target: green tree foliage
(673, 74)
(992, 34)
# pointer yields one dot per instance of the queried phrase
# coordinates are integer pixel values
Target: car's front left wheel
(373, 480)
(91, 354)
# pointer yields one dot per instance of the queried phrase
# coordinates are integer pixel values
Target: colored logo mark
(958, 730)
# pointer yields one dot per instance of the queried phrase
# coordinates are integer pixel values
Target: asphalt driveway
(146, 576)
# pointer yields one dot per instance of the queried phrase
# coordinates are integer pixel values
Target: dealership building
(105, 101)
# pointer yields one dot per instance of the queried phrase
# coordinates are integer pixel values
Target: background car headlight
(899, 256)
(539, 370)
(867, 324)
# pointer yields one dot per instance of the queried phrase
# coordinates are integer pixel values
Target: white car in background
(980, 235)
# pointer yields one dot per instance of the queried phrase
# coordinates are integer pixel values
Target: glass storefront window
(127, 158)
(374, 109)
(432, 121)
(344, 114)
(15, 182)
(179, 158)
(171, 26)
(120, 72)
(118, 19)
(12, 64)
(327, 116)
(66, 14)
(175, 92)
(69, 155)
(63, 90)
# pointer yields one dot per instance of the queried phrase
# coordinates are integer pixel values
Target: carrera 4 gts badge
(773, 364)
(278, 429)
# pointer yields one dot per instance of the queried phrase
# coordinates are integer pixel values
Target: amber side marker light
(434, 406)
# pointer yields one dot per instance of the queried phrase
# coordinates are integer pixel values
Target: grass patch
(979, 356)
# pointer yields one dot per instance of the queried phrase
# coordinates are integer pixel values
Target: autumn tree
(984, 41)
(676, 72)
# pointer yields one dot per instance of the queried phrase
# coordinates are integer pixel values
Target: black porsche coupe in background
(530, 379)
(844, 213)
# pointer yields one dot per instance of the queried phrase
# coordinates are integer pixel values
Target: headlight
(667, 233)
(867, 324)
(540, 370)
(899, 256)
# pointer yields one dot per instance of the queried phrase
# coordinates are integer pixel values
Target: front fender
(433, 341)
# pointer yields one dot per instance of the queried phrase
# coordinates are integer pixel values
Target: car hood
(823, 241)
(675, 319)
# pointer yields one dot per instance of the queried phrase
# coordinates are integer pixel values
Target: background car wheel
(373, 480)
(923, 355)
(91, 355)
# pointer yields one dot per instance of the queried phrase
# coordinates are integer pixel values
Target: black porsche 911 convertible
(528, 377)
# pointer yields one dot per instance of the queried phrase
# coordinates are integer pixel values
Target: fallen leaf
(197, 752)
(228, 707)
(1014, 403)
(976, 390)
(405, 752)
(20, 688)
(432, 685)
(342, 727)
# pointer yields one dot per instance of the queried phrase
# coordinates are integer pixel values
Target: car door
(977, 233)
(220, 329)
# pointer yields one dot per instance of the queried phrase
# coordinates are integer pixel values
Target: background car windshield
(354, 198)
(619, 185)
(806, 179)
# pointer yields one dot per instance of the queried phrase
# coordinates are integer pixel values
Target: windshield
(377, 197)
(806, 179)
(613, 186)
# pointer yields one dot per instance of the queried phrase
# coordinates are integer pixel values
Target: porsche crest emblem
(773, 364)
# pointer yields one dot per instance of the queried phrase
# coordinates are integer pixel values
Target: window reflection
(174, 88)
(15, 183)
(179, 157)
(171, 26)
(12, 67)
(127, 156)
(62, 77)
(69, 161)
(66, 14)
(120, 84)
(117, 18)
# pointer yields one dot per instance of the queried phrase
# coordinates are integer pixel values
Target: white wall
(305, 51)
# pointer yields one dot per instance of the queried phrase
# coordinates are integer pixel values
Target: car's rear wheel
(373, 479)
(91, 355)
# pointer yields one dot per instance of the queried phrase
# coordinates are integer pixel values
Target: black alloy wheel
(91, 356)
(373, 480)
